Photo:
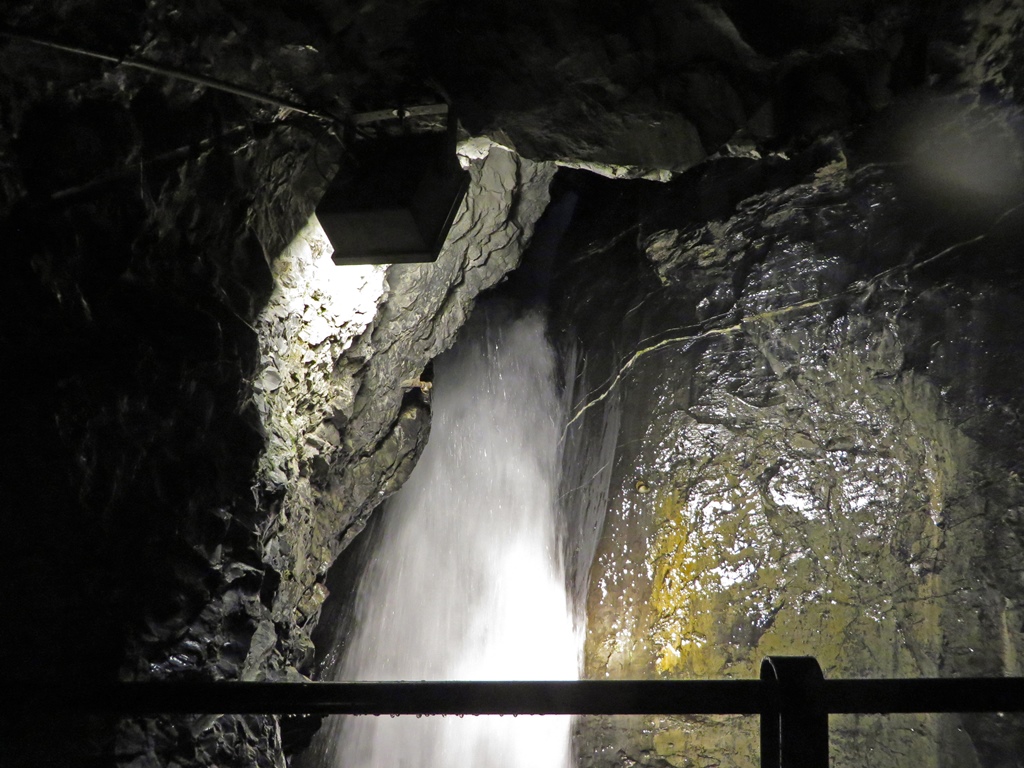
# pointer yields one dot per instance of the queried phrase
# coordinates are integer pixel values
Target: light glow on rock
(332, 300)
(316, 311)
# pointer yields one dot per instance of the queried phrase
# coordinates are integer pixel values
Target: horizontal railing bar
(583, 697)
(974, 694)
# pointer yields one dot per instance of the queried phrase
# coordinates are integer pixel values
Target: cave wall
(198, 428)
(210, 409)
(799, 473)
(812, 358)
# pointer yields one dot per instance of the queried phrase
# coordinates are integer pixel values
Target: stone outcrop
(818, 452)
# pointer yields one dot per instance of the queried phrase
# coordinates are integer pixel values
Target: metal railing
(792, 698)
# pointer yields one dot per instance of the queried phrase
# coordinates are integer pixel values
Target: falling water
(467, 581)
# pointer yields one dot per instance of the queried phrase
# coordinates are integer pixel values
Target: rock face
(803, 339)
(818, 454)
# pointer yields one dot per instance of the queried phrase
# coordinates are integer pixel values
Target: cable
(177, 74)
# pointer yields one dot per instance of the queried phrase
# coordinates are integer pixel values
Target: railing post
(794, 722)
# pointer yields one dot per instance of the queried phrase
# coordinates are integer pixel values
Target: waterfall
(467, 579)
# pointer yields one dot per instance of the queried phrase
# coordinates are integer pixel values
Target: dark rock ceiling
(142, 215)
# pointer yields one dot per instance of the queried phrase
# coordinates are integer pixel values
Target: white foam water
(467, 581)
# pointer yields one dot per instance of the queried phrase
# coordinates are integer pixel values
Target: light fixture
(398, 189)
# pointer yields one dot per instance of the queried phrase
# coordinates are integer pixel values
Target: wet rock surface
(815, 454)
